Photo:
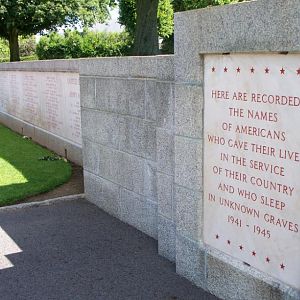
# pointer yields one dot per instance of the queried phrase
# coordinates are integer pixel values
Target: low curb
(43, 203)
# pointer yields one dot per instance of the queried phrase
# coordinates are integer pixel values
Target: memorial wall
(199, 150)
(47, 100)
(237, 149)
(252, 160)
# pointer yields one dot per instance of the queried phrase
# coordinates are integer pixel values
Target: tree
(183, 5)
(146, 34)
(27, 17)
(145, 21)
(138, 18)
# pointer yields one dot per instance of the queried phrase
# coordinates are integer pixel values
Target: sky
(112, 25)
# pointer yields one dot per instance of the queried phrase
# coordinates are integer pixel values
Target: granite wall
(40, 100)
(142, 135)
(128, 142)
(268, 26)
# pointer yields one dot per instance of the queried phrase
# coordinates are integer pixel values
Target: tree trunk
(146, 33)
(14, 44)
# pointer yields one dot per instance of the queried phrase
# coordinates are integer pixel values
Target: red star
(217, 236)
(282, 266)
(267, 70)
(238, 70)
(241, 247)
(225, 69)
(228, 242)
(252, 70)
(267, 259)
(282, 71)
(298, 71)
(213, 69)
(253, 253)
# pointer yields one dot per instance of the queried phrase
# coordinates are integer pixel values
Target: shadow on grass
(23, 173)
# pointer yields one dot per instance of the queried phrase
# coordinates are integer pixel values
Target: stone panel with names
(31, 98)
(53, 104)
(252, 160)
(4, 91)
(15, 104)
(49, 100)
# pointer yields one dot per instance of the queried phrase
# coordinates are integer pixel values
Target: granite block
(150, 100)
(111, 95)
(188, 63)
(254, 26)
(103, 193)
(150, 219)
(189, 102)
(165, 67)
(104, 66)
(188, 162)
(142, 66)
(123, 96)
(166, 238)
(189, 212)
(150, 180)
(138, 212)
(87, 92)
(165, 105)
(160, 103)
(138, 137)
(229, 279)
(101, 127)
(128, 171)
(55, 65)
(190, 261)
(165, 151)
(91, 158)
(165, 195)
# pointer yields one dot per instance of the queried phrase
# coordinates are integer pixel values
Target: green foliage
(127, 17)
(27, 46)
(30, 17)
(24, 58)
(165, 15)
(181, 5)
(74, 44)
(4, 49)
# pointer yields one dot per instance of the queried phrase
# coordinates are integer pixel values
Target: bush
(27, 46)
(74, 44)
(4, 49)
(27, 49)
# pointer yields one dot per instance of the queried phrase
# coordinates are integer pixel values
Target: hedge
(75, 44)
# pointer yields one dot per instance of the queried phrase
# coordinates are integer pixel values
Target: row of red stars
(268, 260)
(252, 70)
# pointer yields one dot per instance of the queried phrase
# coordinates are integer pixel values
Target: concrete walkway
(73, 250)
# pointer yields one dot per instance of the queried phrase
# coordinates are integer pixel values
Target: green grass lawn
(24, 170)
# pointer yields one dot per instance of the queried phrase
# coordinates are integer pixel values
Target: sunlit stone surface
(7, 247)
(252, 160)
(49, 100)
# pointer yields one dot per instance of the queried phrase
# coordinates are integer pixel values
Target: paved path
(73, 250)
